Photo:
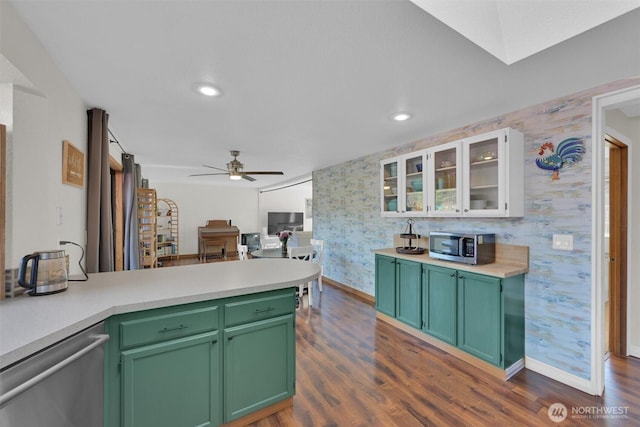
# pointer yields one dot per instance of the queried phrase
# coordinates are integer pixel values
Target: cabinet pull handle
(452, 275)
(177, 328)
(264, 310)
(461, 277)
(214, 342)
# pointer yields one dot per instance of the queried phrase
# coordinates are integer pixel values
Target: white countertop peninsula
(29, 324)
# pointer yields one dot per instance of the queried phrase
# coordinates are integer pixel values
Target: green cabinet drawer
(164, 327)
(259, 308)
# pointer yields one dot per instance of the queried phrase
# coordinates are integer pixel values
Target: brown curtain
(99, 212)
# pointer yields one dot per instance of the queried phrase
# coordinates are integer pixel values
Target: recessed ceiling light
(207, 89)
(401, 117)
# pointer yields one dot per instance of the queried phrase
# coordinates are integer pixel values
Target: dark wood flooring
(354, 370)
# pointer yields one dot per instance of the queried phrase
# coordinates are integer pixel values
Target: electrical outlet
(58, 215)
(563, 242)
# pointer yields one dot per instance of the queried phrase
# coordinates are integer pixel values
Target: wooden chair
(303, 253)
(242, 252)
(318, 250)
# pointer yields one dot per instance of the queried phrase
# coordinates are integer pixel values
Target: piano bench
(213, 248)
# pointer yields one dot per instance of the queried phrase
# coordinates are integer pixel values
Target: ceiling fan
(235, 170)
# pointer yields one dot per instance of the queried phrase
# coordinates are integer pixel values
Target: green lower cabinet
(187, 394)
(439, 311)
(259, 366)
(479, 316)
(178, 365)
(386, 285)
(408, 292)
(482, 315)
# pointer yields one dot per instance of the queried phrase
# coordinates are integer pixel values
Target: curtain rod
(285, 186)
(116, 141)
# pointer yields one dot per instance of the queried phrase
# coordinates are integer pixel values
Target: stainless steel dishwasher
(59, 386)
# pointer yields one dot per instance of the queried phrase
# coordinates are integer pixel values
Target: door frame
(600, 105)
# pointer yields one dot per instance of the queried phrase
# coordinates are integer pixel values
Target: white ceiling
(308, 84)
(512, 30)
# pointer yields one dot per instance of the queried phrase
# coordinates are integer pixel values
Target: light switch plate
(563, 242)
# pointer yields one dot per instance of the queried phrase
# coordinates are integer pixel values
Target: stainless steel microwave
(463, 247)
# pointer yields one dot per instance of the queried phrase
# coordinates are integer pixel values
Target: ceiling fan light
(235, 175)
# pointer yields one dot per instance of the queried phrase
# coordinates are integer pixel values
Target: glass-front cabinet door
(494, 174)
(445, 195)
(484, 189)
(415, 202)
(390, 187)
(403, 185)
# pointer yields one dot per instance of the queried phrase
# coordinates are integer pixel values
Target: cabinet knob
(214, 342)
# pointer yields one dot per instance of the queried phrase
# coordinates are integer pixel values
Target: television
(279, 221)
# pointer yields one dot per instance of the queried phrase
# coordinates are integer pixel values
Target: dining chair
(318, 251)
(242, 252)
(270, 242)
(303, 253)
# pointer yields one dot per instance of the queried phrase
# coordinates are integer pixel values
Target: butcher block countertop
(29, 324)
(511, 260)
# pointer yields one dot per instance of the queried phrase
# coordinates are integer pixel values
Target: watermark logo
(557, 412)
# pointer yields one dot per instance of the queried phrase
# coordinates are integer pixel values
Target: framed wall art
(72, 165)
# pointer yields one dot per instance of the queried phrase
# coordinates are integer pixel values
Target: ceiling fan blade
(264, 173)
(247, 177)
(209, 174)
(213, 167)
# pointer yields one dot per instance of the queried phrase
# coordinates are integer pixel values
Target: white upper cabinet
(480, 176)
(493, 174)
(403, 185)
(445, 166)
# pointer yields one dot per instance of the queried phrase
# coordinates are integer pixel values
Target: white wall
(290, 199)
(631, 129)
(45, 110)
(198, 203)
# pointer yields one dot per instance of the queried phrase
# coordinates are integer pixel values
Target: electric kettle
(43, 272)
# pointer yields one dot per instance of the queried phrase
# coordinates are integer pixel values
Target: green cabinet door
(439, 299)
(259, 365)
(173, 383)
(386, 285)
(479, 316)
(408, 292)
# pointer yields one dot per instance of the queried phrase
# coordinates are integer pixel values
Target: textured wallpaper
(346, 201)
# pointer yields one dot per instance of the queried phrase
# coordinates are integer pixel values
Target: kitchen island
(254, 299)
(29, 324)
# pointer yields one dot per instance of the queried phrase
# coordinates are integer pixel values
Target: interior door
(618, 209)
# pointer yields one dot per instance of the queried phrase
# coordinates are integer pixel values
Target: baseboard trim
(514, 369)
(633, 350)
(559, 375)
(370, 299)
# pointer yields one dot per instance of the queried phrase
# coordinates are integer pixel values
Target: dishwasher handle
(100, 339)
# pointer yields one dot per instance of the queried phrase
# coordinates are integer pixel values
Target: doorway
(616, 229)
(616, 328)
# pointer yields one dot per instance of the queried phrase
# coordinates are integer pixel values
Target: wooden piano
(219, 235)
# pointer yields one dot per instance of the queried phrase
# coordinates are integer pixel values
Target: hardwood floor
(353, 370)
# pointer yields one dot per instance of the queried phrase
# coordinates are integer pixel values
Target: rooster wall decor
(569, 151)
